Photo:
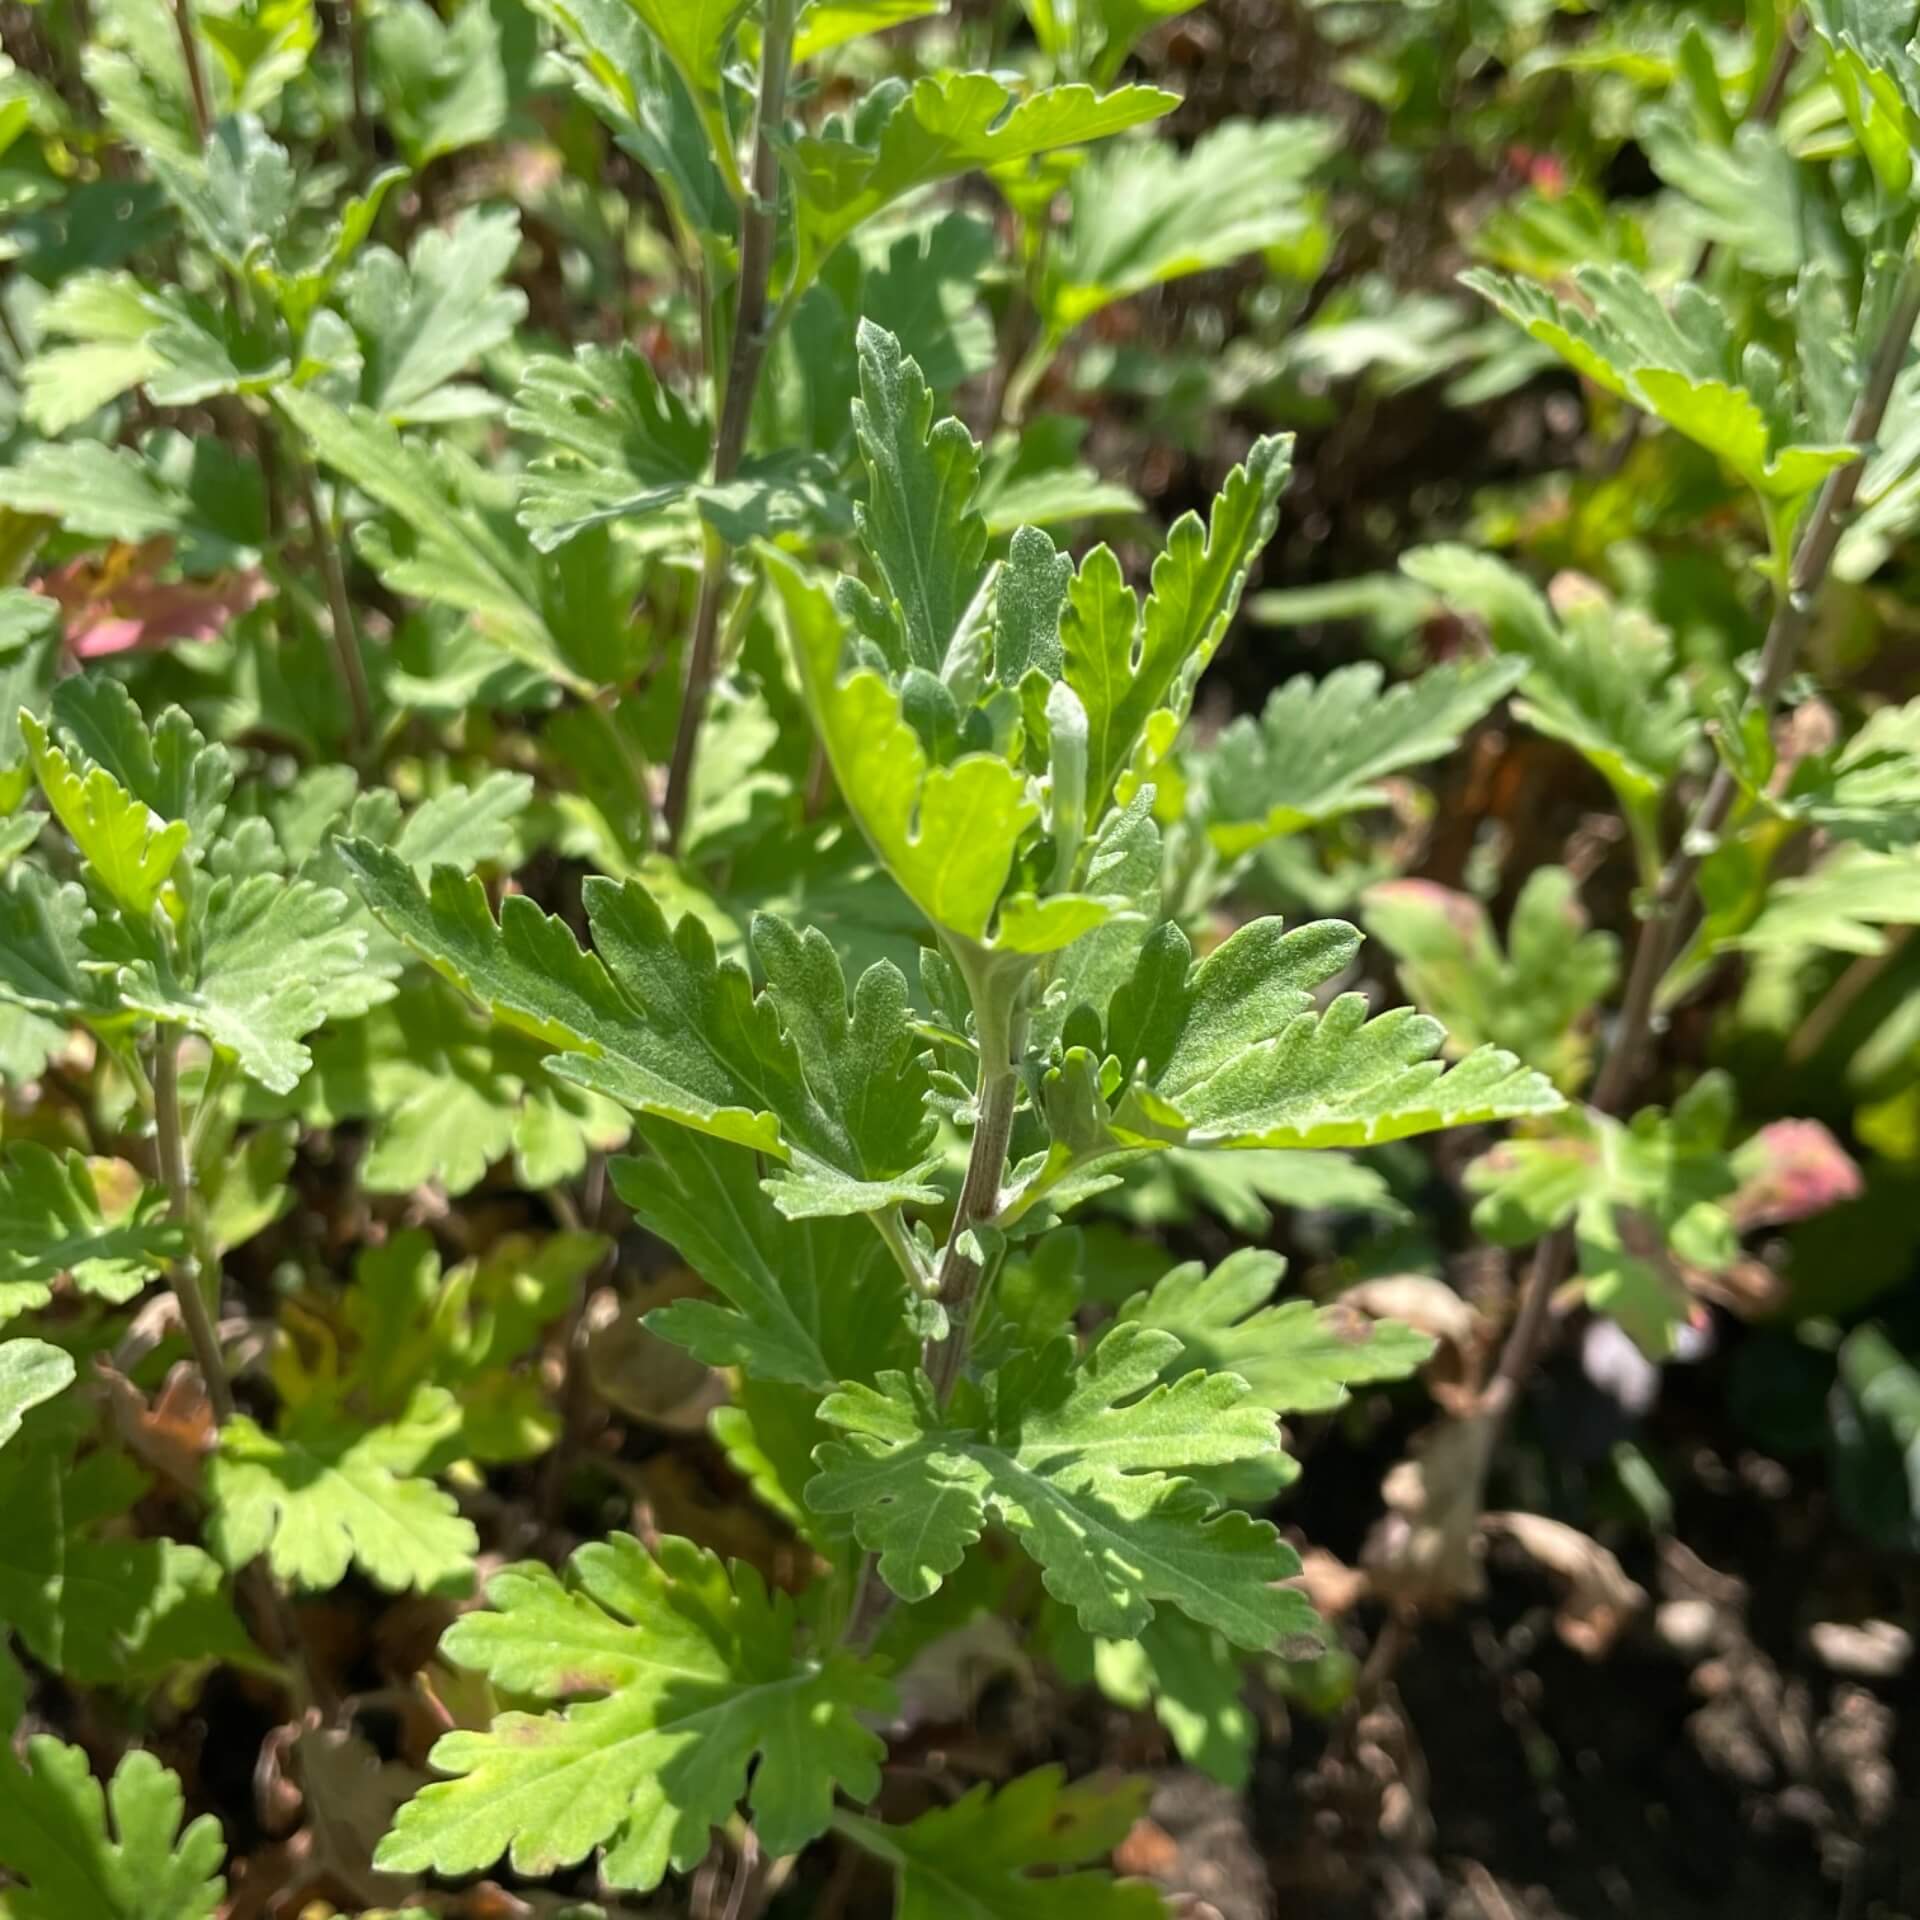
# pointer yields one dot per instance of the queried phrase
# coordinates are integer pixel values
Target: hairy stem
(1793, 616)
(751, 336)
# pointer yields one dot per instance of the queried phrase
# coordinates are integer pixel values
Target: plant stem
(1793, 616)
(751, 336)
(189, 1282)
(198, 96)
(956, 1280)
(346, 635)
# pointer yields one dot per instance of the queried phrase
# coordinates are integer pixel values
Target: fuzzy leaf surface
(680, 1672)
(1295, 1356)
(654, 1021)
(1081, 1464)
(1320, 746)
(324, 1491)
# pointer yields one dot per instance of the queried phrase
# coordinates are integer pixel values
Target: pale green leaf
(1081, 1464)
(129, 849)
(1128, 665)
(423, 320)
(118, 1854)
(918, 524)
(116, 493)
(31, 1373)
(325, 1491)
(1597, 676)
(826, 24)
(1679, 365)
(53, 1223)
(624, 445)
(1320, 747)
(947, 834)
(1537, 999)
(911, 137)
(680, 1675)
(1842, 906)
(443, 83)
(272, 960)
(998, 1855)
(1295, 1356)
(1231, 1051)
(1145, 212)
(456, 555)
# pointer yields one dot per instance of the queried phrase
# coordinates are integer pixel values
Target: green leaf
(1231, 1053)
(425, 319)
(326, 1491)
(1080, 1464)
(1647, 1200)
(1876, 79)
(31, 1373)
(995, 1855)
(1866, 789)
(54, 1224)
(445, 1098)
(43, 952)
(826, 24)
(1095, 36)
(1599, 677)
(657, 1023)
(238, 195)
(1195, 1684)
(625, 445)
(443, 84)
(807, 1302)
(694, 1670)
(918, 524)
(696, 35)
(270, 962)
(1320, 746)
(906, 138)
(116, 493)
(86, 1598)
(947, 834)
(1126, 666)
(407, 1324)
(456, 555)
(1295, 1357)
(1841, 906)
(126, 846)
(1144, 212)
(1678, 365)
(121, 1854)
(168, 765)
(620, 69)
(1537, 1000)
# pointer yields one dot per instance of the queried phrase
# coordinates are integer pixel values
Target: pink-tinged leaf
(116, 601)
(1790, 1171)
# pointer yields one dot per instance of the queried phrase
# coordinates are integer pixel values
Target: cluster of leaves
(451, 763)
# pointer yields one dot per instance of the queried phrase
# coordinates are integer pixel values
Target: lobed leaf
(1080, 1464)
(997, 1855)
(683, 1676)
